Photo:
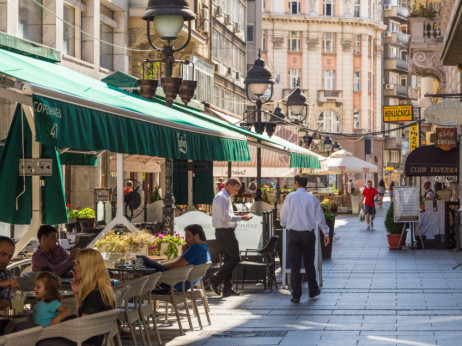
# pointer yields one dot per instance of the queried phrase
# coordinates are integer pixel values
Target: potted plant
(148, 82)
(168, 245)
(395, 238)
(330, 208)
(155, 196)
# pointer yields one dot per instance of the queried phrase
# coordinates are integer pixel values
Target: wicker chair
(120, 293)
(129, 313)
(82, 328)
(147, 309)
(197, 290)
(22, 338)
(172, 277)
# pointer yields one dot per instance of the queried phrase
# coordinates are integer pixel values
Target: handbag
(362, 216)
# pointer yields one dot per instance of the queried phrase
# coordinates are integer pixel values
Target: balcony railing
(401, 90)
(402, 11)
(403, 64)
(424, 30)
(392, 63)
(330, 96)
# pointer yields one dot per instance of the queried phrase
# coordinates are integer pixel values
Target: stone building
(333, 49)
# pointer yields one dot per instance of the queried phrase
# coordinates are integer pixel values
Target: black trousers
(227, 240)
(302, 244)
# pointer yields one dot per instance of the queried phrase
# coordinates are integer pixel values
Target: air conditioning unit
(205, 26)
(387, 34)
(237, 27)
(387, 7)
(389, 86)
(227, 19)
(205, 13)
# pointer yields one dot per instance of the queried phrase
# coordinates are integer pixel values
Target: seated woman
(93, 292)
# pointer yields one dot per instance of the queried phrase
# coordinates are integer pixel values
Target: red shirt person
(369, 194)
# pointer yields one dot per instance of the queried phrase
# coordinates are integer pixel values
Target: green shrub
(155, 196)
(391, 226)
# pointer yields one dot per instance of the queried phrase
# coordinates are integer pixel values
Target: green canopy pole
(36, 188)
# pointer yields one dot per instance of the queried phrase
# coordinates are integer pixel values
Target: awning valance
(78, 112)
(432, 161)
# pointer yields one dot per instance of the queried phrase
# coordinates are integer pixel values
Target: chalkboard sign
(102, 195)
(406, 204)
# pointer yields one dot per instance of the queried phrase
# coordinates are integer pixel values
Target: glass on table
(17, 302)
(130, 257)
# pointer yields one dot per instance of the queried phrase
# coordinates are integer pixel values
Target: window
(69, 32)
(328, 7)
(30, 21)
(394, 156)
(356, 81)
(294, 41)
(263, 41)
(107, 26)
(250, 34)
(403, 80)
(356, 119)
(357, 9)
(329, 80)
(394, 26)
(294, 78)
(329, 43)
(369, 82)
(357, 45)
(294, 7)
(393, 52)
(329, 121)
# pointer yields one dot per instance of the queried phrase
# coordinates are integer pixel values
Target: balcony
(395, 11)
(391, 63)
(424, 30)
(395, 90)
(330, 96)
(393, 142)
(394, 37)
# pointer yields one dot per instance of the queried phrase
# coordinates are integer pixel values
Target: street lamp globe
(168, 17)
(336, 147)
(259, 78)
(327, 144)
(296, 102)
(316, 138)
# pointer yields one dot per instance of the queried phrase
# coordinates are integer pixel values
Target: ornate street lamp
(336, 147)
(168, 17)
(296, 103)
(258, 80)
(327, 145)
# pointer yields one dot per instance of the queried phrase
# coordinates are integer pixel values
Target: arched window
(329, 121)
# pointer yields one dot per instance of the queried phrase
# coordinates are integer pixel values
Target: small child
(48, 310)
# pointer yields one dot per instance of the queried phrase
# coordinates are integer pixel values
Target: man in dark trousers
(224, 221)
(300, 214)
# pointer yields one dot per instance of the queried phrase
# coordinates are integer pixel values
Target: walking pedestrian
(300, 215)
(390, 191)
(220, 184)
(224, 221)
(381, 193)
(369, 194)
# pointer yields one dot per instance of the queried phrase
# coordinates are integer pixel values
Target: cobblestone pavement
(371, 296)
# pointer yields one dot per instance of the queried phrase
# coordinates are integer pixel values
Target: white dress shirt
(301, 211)
(222, 211)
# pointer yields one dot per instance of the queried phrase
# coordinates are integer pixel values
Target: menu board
(406, 204)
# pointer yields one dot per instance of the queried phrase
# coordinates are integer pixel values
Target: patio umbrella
(343, 161)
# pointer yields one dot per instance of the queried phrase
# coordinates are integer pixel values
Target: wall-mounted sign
(397, 113)
(341, 168)
(445, 113)
(446, 138)
(389, 169)
(414, 137)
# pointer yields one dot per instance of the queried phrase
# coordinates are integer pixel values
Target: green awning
(25, 47)
(12, 184)
(78, 112)
(121, 80)
(74, 159)
(300, 157)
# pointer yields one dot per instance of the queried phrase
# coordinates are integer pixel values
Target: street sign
(389, 169)
(446, 138)
(414, 137)
(445, 113)
(397, 113)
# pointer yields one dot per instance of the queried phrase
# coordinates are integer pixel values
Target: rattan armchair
(197, 290)
(22, 338)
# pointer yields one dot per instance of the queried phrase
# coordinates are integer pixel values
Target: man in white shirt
(300, 214)
(224, 221)
(428, 193)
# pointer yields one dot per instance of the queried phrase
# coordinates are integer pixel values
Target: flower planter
(355, 200)
(164, 247)
(327, 250)
(394, 241)
(148, 87)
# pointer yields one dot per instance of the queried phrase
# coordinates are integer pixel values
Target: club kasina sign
(446, 113)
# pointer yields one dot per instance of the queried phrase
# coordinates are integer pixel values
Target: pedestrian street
(370, 296)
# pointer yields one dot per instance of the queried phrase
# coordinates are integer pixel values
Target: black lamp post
(168, 17)
(258, 80)
(336, 147)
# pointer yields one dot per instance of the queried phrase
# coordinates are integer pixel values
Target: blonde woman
(93, 292)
